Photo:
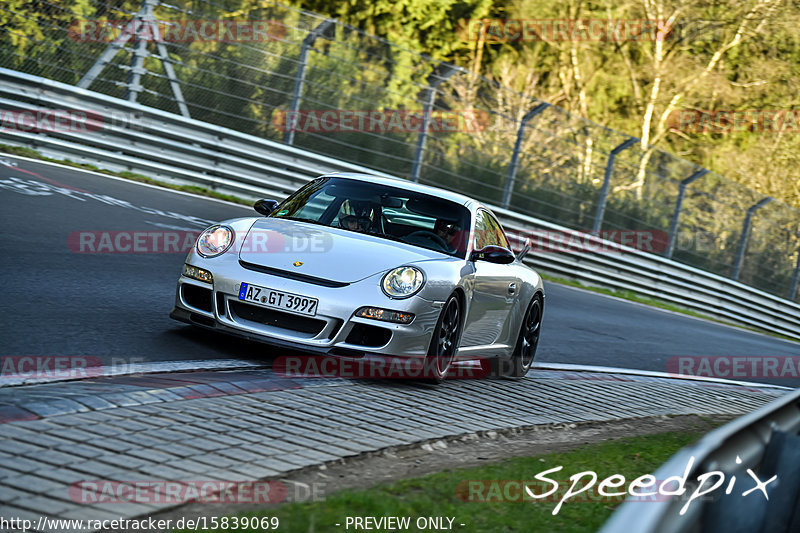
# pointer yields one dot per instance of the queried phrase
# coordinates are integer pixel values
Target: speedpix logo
(587, 486)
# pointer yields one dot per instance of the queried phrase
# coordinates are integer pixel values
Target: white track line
(193, 195)
(567, 367)
(155, 367)
(126, 180)
(231, 364)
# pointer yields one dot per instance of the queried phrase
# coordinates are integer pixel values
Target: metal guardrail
(657, 277)
(765, 441)
(132, 137)
(312, 82)
(136, 138)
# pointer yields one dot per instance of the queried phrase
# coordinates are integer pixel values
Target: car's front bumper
(334, 329)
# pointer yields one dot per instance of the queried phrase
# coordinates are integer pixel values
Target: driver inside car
(446, 231)
(357, 217)
(354, 223)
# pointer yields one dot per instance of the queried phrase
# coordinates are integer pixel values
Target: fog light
(197, 273)
(385, 315)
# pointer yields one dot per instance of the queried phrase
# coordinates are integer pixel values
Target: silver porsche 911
(353, 265)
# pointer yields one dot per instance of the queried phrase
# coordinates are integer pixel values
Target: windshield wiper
(386, 236)
(301, 219)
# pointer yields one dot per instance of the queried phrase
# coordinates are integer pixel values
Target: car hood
(330, 253)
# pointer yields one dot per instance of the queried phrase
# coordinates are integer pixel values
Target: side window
(484, 235)
(488, 231)
(497, 230)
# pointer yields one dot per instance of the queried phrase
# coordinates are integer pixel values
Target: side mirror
(525, 249)
(494, 254)
(265, 207)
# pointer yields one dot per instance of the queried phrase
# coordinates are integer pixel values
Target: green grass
(443, 494)
(201, 191)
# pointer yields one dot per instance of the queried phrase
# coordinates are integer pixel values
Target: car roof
(409, 185)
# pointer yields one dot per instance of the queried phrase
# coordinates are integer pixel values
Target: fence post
(300, 78)
(166, 62)
(795, 278)
(111, 50)
(144, 19)
(512, 168)
(133, 85)
(673, 225)
(601, 203)
(748, 219)
(435, 79)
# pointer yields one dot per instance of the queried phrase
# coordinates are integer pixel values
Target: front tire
(527, 342)
(444, 343)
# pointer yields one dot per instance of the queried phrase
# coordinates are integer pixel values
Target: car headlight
(386, 315)
(402, 282)
(199, 274)
(215, 241)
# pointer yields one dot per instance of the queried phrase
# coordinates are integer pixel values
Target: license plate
(285, 301)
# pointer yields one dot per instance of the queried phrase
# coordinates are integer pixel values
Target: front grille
(220, 304)
(372, 336)
(292, 275)
(278, 319)
(197, 297)
(337, 325)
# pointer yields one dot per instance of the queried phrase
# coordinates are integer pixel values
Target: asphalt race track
(115, 305)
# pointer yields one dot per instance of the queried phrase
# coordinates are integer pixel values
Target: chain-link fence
(273, 71)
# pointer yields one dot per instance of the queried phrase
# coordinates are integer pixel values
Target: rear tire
(527, 342)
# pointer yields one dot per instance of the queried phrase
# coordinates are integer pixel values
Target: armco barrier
(765, 441)
(143, 139)
(173, 148)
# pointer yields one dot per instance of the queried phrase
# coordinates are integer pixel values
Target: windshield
(387, 212)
